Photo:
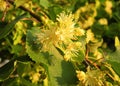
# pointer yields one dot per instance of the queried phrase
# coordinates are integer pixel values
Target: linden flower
(81, 75)
(35, 77)
(2, 5)
(66, 20)
(47, 38)
(89, 22)
(90, 36)
(72, 51)
(103, 21)
(62, 32)
(94, 78)
(67, 30)
(108, 7)
(86, 15)
(91, 77)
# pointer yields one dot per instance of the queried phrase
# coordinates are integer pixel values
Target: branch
(37, 17)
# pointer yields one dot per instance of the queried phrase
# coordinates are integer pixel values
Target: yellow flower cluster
(2, 5)
(91, 78)
(108, 7)
(60, 33)
(86, 15)
(72, 50)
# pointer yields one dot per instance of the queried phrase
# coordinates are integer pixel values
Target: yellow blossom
(61, 32)
(81, 75)
(2, 5)
(89, 22)
(91, 77)
(72, 50)
(117, 42)
(65, 30)
(90, 36)
(94, 78)
(103, 21)
(35, 77)
(86, 15)
(47, 38)
(108, 7)
(79, 32)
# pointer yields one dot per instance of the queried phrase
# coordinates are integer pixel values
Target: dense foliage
(59, 42)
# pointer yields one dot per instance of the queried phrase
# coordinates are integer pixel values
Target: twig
(89, 61)
(37, 17)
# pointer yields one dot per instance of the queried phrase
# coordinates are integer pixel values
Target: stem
(115, 77)
(89, 61)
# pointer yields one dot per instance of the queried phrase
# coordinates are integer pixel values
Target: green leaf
(20, 2)
(11, 82)
(23, 67)
(61, 73)
(115, 66)
(113, 30)
(4, 31)
(114, 60)
(17, 49)
(54, 11)
(98, 29)
(6, 70)
(101, 13)
(25, 82)
(44, 3)
(33, 48)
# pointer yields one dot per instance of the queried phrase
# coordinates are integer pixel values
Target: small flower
(35, 77)
(90, 36)
(108, 7)
(67, 30)
(81, 75)
(66, 20)
(79, 32)
(62, 32)
(89, 22)
(72, 51)
(103, 21)
(91, 77)
(94, 78)
(2, 5)
(47, 37)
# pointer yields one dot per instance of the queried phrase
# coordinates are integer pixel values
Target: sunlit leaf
(61, 73)
(20, 2)
(18, 50)
(114, 60)
(23, 68)
(33, 49)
